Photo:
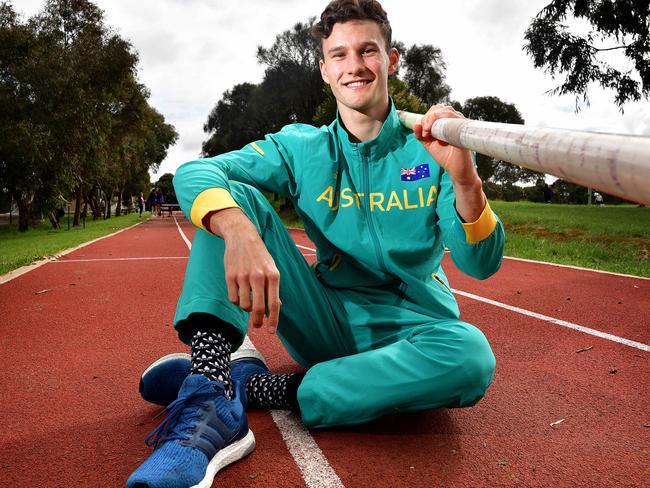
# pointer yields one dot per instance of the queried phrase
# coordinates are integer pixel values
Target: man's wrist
(228, 222)
(470, 200)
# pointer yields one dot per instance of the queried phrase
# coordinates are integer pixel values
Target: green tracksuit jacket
(380, 213)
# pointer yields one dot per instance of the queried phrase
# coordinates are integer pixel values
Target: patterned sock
(274, 390)
(211, 358)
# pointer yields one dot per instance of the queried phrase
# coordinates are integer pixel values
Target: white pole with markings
(612, 163)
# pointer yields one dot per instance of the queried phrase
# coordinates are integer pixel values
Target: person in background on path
(548, 193)
(170, 199)
(373, 322)
(159, 200)
(140, 204)
(598, 199)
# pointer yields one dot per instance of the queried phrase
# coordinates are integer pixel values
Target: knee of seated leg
(479, 363)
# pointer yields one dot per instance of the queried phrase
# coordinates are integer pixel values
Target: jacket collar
(389, 137)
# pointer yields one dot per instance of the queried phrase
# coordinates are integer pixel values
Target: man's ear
(393, 61)
(323, 73)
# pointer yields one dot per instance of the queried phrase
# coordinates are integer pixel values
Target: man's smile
(357, 84)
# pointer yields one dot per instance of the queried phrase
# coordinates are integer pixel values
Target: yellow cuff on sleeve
(483, 227)
(209, 200)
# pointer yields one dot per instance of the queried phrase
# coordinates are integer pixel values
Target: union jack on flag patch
(417, 173)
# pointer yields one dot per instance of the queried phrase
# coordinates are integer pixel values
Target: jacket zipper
(439, 280)
(371, 224)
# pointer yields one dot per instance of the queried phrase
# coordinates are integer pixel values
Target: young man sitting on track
(373, 322)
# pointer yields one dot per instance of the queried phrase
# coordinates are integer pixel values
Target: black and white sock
(211, 358)
(274, 390)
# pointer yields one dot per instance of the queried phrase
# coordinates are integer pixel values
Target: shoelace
(176, 423)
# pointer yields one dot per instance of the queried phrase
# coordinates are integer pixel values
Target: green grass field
(608, 238)
(18, 249)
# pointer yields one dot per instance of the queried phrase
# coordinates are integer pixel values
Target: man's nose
(355, 64)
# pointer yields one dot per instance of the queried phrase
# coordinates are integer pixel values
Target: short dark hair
(340, 11)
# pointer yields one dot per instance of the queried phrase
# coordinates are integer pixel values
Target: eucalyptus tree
(556, 44)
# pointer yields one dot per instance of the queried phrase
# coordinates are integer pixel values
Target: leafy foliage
(425, 73)
(615, 25)
(74, 121)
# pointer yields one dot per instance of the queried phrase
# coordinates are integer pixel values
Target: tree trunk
(23, 205)
(77, 208)
(118, 207)
(53, 220)
(94, 203)
(109, 198)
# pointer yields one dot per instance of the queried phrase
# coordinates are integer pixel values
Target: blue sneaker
(163, 378)
(242, 366)
(202, 433)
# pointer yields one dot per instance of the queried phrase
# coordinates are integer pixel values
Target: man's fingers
(273, 299)
(244, 293)
(233, 289)
(257, 311)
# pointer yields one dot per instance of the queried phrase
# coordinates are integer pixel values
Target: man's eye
(369, 51)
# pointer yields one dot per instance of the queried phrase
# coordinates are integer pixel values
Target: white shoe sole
(228, 455)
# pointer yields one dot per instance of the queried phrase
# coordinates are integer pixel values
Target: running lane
(73, 353)
(77, 333)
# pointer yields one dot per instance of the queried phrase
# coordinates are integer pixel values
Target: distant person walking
(548, 193)
(159, 201)
(598, 198)
(140, 204)
(170, 200)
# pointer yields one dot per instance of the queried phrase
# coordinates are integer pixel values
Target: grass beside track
(21, 248)
(607, 238)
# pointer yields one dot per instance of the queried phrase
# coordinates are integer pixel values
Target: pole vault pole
(613, 163)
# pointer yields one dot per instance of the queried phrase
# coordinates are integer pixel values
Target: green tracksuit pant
(368, 351)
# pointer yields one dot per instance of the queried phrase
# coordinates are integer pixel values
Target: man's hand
(457, 162)
(249, 267)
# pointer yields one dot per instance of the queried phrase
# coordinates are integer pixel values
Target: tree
(73, 118)
(25, 143)
(616, 25)
(492, 109)
(231, 123)
(164, 183)
(425, 73)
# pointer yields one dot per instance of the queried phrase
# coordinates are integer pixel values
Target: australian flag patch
(419, 172)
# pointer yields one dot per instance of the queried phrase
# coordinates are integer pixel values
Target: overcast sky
(191, 51)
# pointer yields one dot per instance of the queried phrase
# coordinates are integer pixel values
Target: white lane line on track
(546, 318)
(187, 241)
(145, 258)
(311, 461)
(552, 320)
(315, 469)
(576, 267)
(305, 248)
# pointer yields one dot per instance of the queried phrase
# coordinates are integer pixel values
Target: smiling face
(356, 66)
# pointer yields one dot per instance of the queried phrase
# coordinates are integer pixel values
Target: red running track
(78, 332)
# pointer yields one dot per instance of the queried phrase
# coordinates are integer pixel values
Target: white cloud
(191, 51)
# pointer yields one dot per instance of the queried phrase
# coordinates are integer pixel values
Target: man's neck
(364, 126)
